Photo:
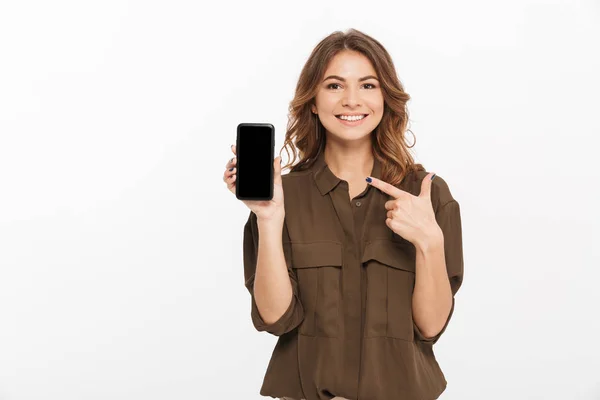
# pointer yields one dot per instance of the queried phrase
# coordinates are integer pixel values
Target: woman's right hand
(264, 209)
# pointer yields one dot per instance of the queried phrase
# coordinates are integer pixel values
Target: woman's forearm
(272, 285)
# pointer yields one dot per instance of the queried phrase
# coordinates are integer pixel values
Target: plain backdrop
(121, 272)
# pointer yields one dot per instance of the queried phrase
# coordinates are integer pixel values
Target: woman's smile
(353, 122)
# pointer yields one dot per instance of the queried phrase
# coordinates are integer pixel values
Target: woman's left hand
(409, 216)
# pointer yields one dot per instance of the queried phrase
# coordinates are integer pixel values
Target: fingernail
(231, 169)
(369, 179)
(231, 159)
(432, 176)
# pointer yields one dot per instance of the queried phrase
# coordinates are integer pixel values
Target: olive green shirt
(348, 330)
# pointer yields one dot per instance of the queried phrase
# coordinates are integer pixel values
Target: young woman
(356, 272)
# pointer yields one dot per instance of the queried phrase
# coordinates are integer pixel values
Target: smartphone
(255, 147)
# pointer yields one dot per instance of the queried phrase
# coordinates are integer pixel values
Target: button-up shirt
(348, 330)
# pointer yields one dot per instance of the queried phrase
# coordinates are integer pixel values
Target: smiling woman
(349, 97)
(358, 281)
(348, 86)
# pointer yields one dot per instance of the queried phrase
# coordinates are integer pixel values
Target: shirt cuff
(432, 340)
(288, 321)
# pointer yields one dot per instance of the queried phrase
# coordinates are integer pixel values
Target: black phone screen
(254, 151)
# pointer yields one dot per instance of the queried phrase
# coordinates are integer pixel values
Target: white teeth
(351, 118)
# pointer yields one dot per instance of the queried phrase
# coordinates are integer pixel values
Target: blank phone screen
(254, 151)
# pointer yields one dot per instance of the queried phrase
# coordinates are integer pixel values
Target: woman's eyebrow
(364, 78)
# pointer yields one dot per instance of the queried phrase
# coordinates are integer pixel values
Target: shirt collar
(326, 180)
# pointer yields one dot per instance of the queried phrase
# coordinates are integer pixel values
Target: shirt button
(358, 204)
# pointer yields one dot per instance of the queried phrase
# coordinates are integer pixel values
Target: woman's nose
(351, 98)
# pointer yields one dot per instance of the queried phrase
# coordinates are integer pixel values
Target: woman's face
(349, 93)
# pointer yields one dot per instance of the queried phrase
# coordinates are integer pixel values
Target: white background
(121, 271)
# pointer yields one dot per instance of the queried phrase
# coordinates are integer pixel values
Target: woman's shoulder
(298, 179)
(440, 189)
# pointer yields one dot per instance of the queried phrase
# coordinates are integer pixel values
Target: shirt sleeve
(294, 314)
(448, 218)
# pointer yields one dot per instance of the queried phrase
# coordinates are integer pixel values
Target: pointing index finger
(385, 187)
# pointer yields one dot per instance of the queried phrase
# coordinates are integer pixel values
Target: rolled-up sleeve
(448, 218)
(294, 314)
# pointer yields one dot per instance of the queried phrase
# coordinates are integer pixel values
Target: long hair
(388, 138)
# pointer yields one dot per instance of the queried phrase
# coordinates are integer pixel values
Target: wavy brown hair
(388, 138)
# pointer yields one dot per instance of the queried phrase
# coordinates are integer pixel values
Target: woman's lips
(352, 123)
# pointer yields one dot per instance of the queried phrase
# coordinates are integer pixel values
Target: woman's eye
(337, 84)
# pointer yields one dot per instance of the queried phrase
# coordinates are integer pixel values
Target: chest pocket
(318, 267)
(390, 268)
